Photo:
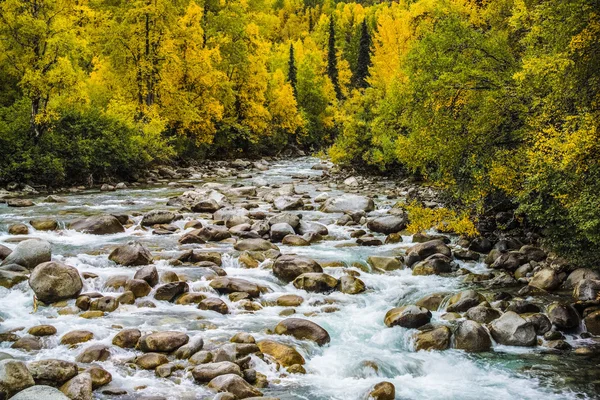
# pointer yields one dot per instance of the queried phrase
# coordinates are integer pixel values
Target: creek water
(362, 351)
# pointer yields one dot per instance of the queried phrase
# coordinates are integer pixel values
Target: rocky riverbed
(279, 279)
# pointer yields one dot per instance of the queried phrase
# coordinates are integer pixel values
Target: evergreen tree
(364, 58)
(292, 71)
(332, 69)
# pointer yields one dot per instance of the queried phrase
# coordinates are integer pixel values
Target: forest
(496, 102)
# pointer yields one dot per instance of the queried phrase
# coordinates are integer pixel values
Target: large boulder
(282, 353)
(470, 336)
(149, 274)
(410, 316)
(234, 384)
(384, 264)
(435, 264)
(291, 219)
(158, 217)
(40, 392)
(482, 314)
(52, 372)
(225, 285)
(513, 330)
(29, 253)
(79, 388)
(162, 342)
(316, 282)
(435, 339)
(348, 203)
(285, 203)
(14, 377)
(288, 268)
(563, 316)
(207, 372)
(281, 230)
(254, 245)
(131, 254)
(127, 338)
(464, 300)
(421, 251)
(545, 279)
(54, 281)
(388, 224)
(587, 290)
(98, 225)
(576, 276)
(303, 329)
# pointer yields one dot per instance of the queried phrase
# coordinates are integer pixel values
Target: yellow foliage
(422, 219)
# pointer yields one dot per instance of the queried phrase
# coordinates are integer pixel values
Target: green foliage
(364, 58)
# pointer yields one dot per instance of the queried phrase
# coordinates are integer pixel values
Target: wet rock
(509, 261)
(286, 203)
(281, 230)
(368, 240)
(466, 255)
(295, 240)
(435, 264)
(214, 304)
(482, 314)
(148, 274)
(592, 323)
(316, 282)
(522, 307)
(587, 290)
(18, 229)
(42, 330)
(470, 336)
(193, 346)
(235, 385)
(254, 245)
(52, 372)
(170, 291)
(4, 252)
(158, 217)
(76, 337)
(350, 285)
(480, 245)
(131, 254)
(40, 392)
(383, 391)
(388, 224)
(226, 285)
(138, 287)
(532, 253)
(100, 376)
(19, 203)
(545, 279)
(210, 233)
(513, 330)
(162, 342)
(303, 329)
(14, 377)
(348, 203)
(288, 268)
(432, 301)
(563, 316)
(98, 225)
(95, 352)
(384, 263)
(44, 224)
(281, 353)
(290, 300)
(540, 322)
(54, 281)
(410, 316)
(105, 304)
(190, 298)
(201, 357)
(243, 338)
(206, 206)
(435, 339)
(207, 372)
(576, 277)
(423, 250)
(9, 279)
(127, 338)
(27, 343)
(464, 300)
(79, 387)
(151, 360)
(29, 253)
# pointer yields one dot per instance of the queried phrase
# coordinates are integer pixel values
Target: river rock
(148, 274)
(206, 206)
(281, 230)
(587, 290)
(563, 316)
(482, 314)
(8, 279)
(76, 337)
(432, 301)
(435, 339)
(4, 252)
(79, 387)
(29, 253)
(207, 372)
(350, 285)
(592, 323)
(254, 245)
(348, 203)
(162, 342)
(290, 300)
(52, 372)
(316, 282)
(435, 264)
(98, 225)
(235, 385)
(214, 304)
(95, 352)
(210, 233)
(295, 240)
(100, 376)
(574, 277)
(285, 203)
(288, 268)
(283, 354)
(226, 285)
(421, 251)
(470, 336)
(388, 224)
(14, 377)
(513, 330)
(303, 329)
(53, 281)
(464, 300)
(384, 263)
(540, 322)
(410, 316)
(193, 346)
(170, 291)
(42, 330)
(545, 279)
(158, 217)
(151, 360)
(138, 287)
(40, 392)
(127, 338)
(383, 391)
(105, 304)
(19, 203)
(131, 254)
(44, 224)
(18, 229)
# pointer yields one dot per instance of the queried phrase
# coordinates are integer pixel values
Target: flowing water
(362, 351)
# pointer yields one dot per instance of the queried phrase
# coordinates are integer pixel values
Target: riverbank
(227, 259)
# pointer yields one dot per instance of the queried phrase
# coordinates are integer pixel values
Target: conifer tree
(332, 69)
(364, 58)
(292, 71)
